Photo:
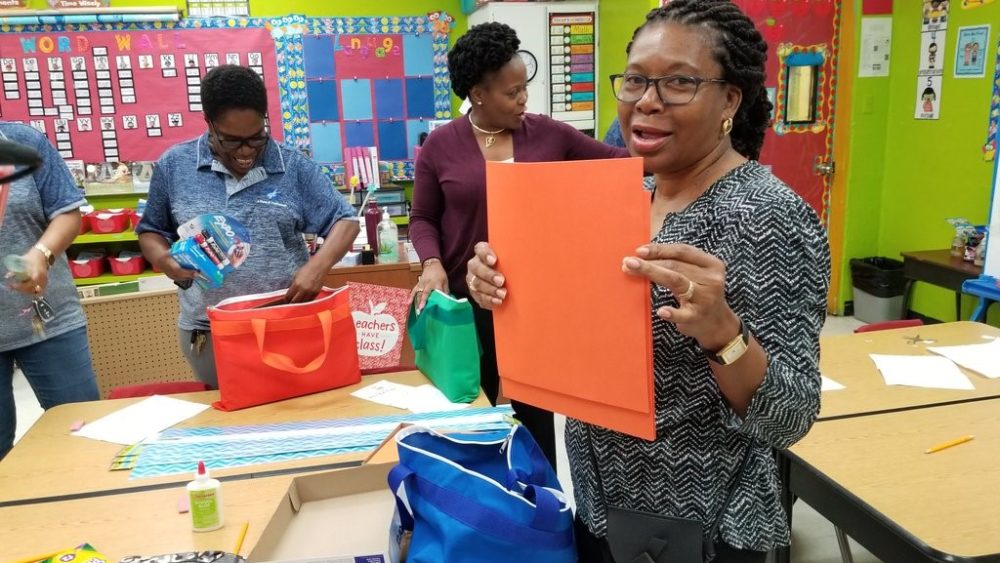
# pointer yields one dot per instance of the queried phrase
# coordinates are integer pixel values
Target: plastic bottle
(205, 495)
(372, 215)
(388, 239)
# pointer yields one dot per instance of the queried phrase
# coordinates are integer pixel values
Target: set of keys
(17, 269)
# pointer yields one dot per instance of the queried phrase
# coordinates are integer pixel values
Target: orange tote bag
(267, 352)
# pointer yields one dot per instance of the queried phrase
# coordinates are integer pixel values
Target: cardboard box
(343, 516)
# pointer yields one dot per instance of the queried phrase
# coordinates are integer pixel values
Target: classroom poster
(933, 38)
(876, 46)
(971, 51)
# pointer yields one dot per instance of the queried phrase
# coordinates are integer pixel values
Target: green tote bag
(446, 345)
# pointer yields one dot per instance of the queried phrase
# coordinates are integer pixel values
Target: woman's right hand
(433, 277)
(484, 281)
(173, 270)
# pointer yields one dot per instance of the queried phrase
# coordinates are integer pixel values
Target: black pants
(592, 549)
(538, 421)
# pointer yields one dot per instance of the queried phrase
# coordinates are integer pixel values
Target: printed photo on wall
(928, 97)
(972, 51)
(935, 14)
(931, 53)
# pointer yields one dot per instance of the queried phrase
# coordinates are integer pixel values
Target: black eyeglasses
(673, 89)
(232, 144)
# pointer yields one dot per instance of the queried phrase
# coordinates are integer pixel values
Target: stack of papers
(934, 372)
(419, 399)
(981, 358)
(140, 421)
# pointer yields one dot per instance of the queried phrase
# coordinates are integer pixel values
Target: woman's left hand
(698, 282)
(37, 275)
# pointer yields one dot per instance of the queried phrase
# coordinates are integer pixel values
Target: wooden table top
(49, 462)
(845, 359)
(145, 523)
(947, 500)
(944, 259)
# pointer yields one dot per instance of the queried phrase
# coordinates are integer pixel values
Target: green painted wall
(617, 20)
(932, 170)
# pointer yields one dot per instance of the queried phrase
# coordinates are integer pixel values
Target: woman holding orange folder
(739, 266)
(449, 192)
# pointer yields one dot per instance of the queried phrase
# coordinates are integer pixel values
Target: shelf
(111, 278)
(112, 237)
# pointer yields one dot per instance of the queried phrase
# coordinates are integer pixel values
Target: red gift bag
(266, 352)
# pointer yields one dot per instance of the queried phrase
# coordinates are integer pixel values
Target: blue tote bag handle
(544, 532)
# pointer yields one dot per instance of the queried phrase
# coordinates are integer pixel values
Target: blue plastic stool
(985, 287)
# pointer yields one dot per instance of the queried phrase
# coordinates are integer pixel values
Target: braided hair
(484, 49)
(741, 52)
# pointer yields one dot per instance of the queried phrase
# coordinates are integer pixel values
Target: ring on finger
(471, 281)
(688, 293)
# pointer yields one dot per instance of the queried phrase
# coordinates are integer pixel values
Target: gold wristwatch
(732, 351)
(49, 257)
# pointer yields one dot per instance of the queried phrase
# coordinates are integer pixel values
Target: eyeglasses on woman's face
(673, 89)
(230, 143)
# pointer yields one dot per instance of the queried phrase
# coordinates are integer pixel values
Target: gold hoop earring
(727, 126)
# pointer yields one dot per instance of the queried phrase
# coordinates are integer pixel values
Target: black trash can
(878, 289)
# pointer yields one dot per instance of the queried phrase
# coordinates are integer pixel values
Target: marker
(948, 444)
(198, 238)
(223, 260)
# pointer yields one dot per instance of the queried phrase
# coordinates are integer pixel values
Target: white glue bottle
(205, 496)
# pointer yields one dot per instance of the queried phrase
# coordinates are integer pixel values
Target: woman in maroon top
(449, 197)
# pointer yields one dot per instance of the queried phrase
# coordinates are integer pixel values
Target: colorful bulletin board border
(990, 147)
(288, 34)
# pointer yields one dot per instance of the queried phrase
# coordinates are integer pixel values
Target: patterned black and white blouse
(777, 274)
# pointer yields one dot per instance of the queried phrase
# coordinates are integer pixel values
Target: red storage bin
(107, 221)
(127, 266)
(87, 268)
(84, 223)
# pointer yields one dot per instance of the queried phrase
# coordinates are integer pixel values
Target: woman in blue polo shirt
(236, 169)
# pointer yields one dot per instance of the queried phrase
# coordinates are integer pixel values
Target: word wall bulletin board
(121, 94)
(129, 91)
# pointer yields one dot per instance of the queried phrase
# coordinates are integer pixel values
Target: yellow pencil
(239, 541)
(948, 444)
(36, 558)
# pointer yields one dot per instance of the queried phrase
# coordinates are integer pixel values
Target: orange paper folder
(574, 333)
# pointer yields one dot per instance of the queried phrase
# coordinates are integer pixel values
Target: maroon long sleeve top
(448, 216)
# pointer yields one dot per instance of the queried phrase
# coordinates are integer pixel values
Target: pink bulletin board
(124, 95)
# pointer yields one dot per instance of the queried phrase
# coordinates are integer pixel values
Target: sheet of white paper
(428, 398)
(980, 358)
(142, 420)
(421, 399)
(933, 372)
(386, 393)
(876, 44)
(830, 385)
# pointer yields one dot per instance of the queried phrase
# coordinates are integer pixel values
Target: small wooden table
(139, 523)
(940, 268)
(49, 464)
(871, 478)
(844, 359)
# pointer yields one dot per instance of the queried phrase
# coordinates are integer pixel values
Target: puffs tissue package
(212, 244)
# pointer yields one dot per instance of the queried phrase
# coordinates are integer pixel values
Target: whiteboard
(991, 266)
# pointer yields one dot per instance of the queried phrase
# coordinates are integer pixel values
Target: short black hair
(484, 49)
(741, 52)
(229, 87)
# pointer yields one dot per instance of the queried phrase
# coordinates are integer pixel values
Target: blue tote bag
(485, 497)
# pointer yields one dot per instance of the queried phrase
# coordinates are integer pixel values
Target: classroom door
(802, 37)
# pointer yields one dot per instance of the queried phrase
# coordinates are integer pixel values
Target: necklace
(491, 136)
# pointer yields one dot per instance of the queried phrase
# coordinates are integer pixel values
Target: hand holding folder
(574, 334)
